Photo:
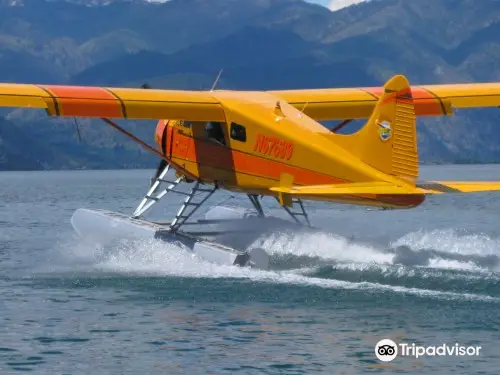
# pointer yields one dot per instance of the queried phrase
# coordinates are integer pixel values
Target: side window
(214, 132)
(238, 132)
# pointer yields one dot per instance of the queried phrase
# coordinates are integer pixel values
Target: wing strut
(150, 199)
(341, 125)
(256, 204)
(78, 130)
(189, 207)
(295, 215)
(134, 138)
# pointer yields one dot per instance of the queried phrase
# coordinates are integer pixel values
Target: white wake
(154, 258)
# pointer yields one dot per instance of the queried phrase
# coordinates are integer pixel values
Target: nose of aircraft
(161, 135)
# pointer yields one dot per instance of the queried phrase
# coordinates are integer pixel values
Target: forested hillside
(260, 44)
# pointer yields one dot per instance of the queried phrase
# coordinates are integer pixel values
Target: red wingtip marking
(426, 104)
(399, 95)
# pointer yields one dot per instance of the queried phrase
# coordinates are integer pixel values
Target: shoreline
(153, 168)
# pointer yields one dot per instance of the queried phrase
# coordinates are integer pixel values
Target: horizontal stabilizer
(441, 187)
(346, 189)
(386, 188)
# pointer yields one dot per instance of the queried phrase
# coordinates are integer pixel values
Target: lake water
(428, 276)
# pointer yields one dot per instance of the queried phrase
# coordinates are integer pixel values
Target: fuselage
(253, 147)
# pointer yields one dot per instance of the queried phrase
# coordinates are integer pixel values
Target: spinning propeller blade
(163, 163)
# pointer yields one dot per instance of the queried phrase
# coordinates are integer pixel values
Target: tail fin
(388, 141)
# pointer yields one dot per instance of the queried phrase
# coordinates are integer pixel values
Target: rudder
(388, 141)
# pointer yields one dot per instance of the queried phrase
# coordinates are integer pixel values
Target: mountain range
(259, 44)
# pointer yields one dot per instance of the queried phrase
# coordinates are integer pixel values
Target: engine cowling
(161, 135)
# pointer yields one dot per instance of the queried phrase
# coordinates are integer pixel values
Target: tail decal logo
(384, 130)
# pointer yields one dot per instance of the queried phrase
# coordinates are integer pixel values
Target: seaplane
(265, 144)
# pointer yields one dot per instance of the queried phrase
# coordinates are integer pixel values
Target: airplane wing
(101, 102)
(386, 188)
(358, 103)
(322, 104)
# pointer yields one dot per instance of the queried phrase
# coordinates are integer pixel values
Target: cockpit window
(238, 132)
(215, 133)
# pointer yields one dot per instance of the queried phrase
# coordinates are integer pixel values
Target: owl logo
(384, 130)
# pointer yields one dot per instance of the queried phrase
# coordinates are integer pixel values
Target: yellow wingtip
(443, 187)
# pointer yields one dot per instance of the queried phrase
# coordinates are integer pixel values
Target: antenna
(278, 111)
(216, 80)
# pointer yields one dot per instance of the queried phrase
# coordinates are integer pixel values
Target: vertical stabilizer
(388, 141)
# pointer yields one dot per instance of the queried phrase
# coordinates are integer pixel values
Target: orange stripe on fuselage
(259, 166)
(86, 101)
(220, 157)
(238, 161)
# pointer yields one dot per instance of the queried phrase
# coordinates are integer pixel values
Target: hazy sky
(335, 4)
(332, 4)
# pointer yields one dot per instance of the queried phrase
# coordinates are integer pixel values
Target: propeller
(163, 163)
